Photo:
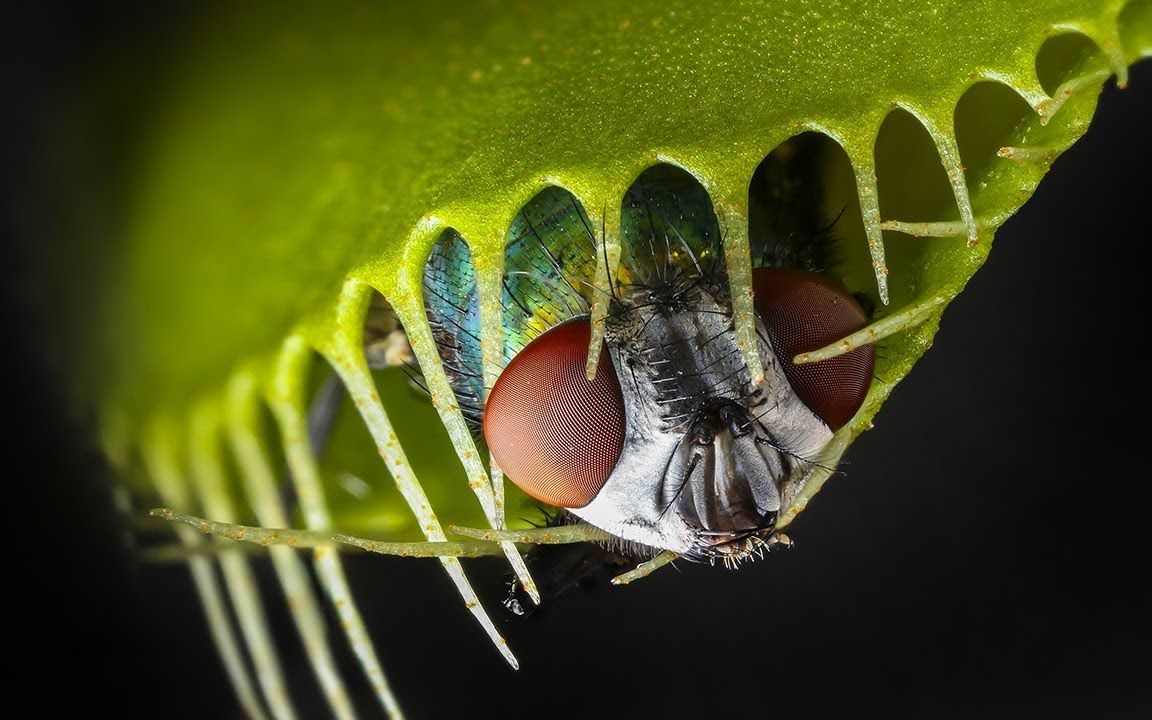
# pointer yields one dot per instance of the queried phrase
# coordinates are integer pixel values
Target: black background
(987, 554)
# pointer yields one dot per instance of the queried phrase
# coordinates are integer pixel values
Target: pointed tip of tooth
(533, 593)
(882, 285)
(507, 653)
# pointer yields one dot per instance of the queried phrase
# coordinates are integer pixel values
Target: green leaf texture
(288, 159)
(290, 147)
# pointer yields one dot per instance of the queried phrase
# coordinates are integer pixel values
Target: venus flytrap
(301, 159)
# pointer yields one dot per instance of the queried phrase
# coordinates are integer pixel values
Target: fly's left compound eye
(804, 311)
(557, 435)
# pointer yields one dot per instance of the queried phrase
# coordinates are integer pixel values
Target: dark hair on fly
(672, 238)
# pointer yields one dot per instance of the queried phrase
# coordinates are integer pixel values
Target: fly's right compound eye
(556, 435)
(804, 311)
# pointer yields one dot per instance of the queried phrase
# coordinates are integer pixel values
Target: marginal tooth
(738, 263)
(490, 493)
(907, 317)
(559, 535)
(1031, 92)
(490, 287)
(209, 484)
(172, 486)
(1037, 154)
(645, 569)
(945, 142)
(259, 483)
(943, 229)
(345, 351)
(1113, 50)
(285, 396)
(1070, 88)
(865, 170)
(607, 226)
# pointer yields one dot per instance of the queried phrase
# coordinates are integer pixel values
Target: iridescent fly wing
(671, 236)
(452, 305)
(550, 263)
(549, 267)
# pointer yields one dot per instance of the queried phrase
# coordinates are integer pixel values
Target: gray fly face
(707, 452)
(673, 446)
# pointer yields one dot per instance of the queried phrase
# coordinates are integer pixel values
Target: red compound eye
(554, 433)
(804, 311)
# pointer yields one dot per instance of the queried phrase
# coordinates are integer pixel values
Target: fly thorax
(707, 452)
